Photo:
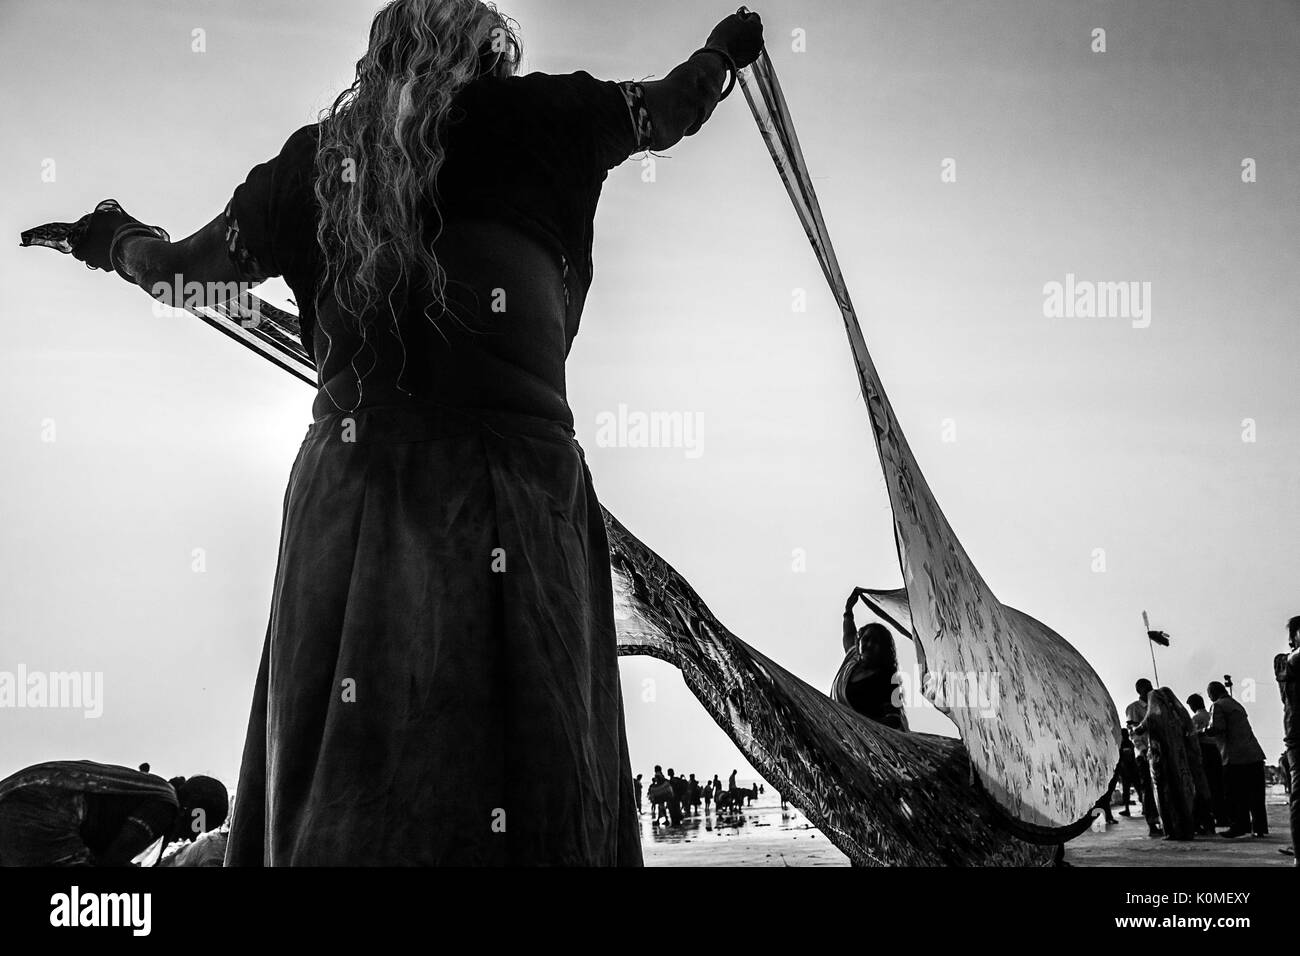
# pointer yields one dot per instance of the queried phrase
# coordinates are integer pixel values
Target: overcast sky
(1066, 435)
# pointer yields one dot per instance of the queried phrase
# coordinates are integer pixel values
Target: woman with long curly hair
(439, 683)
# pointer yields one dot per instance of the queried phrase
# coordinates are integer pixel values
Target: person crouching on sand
(82, 813)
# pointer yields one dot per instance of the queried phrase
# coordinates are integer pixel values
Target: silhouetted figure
(1175, 760)
(1127, 770)
(1106, 799)
(677, 802)
(1286, 667)
(660, 793)
(636, 785)
(1211, 760)
(1243, 763)
(1135, 713)
(868, 679)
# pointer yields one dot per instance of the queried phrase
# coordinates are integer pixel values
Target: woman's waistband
(427, 421)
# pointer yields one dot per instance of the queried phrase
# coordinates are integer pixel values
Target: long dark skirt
(1212, 762)
(1176, 786)
(440, 679)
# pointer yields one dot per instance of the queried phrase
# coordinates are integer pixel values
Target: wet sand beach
(1126, 844)
(763, 835)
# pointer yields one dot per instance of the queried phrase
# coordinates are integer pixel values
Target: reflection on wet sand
(762, 834)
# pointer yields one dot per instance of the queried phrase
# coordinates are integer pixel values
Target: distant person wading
(439, 683)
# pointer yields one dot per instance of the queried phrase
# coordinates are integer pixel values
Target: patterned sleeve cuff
(642, 127)
(239, 255)
(143, 825)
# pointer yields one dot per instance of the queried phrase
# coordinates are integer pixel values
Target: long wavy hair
(877, 647)
(381, 145)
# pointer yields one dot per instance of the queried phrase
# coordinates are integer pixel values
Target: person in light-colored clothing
(1134, 714)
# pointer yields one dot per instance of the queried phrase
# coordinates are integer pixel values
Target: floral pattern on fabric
(239, 255)
(642, 126)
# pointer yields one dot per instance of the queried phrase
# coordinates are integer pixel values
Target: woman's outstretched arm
(197, 270)
(683, 101)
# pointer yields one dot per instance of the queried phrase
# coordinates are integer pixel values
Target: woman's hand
(682, 102)
(97, 237)
(740, 36)
(111, 239)
(90, 239)
(853, 599)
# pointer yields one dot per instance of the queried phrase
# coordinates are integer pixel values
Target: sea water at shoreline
(761, 835)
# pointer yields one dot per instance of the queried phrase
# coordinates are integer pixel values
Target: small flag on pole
(1153, 638)
(1156, 637)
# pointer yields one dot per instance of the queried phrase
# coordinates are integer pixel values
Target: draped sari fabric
(884, 797)
(1048, 754)
(1174, 750)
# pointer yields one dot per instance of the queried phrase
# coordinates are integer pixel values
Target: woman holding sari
(442, 619)
(867, 680)
(1182, 792)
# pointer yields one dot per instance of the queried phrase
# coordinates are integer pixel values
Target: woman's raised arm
(682, 102)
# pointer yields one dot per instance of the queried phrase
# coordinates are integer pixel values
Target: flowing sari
(1175, 755)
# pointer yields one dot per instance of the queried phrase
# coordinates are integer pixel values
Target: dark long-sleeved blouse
(526, 158)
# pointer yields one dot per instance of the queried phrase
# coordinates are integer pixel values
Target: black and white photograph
(841, 434)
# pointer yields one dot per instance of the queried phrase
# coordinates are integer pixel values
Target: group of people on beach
(674, 797)
(1196, 768)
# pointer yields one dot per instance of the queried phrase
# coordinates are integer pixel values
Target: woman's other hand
(682, 102)
(740, 36)
(90, 238)
(97, 239)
